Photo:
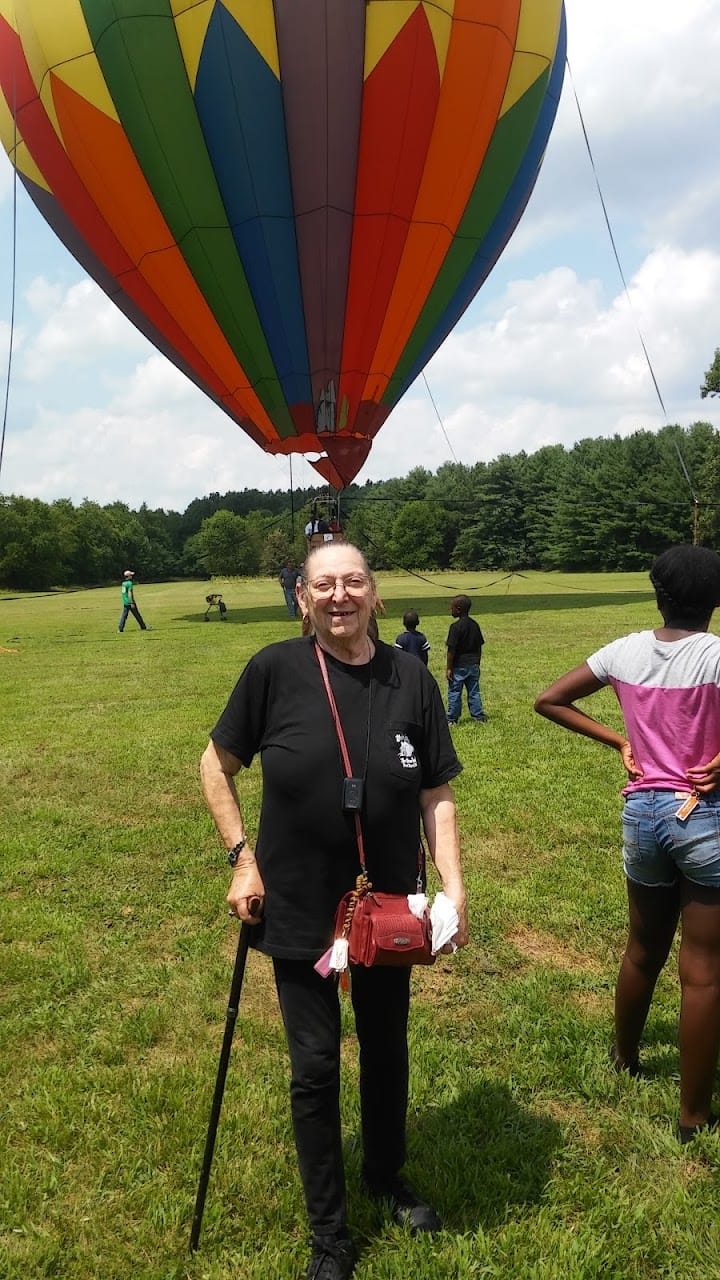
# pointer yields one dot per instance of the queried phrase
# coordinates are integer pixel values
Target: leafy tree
(277, 549)
(63, 512)
(410, 488)
(100, 549)
(258, 525)
(542, 478)
(494, 536)
(369, 526)
(197, 511)
(163, 558)
(456, 488)
(591, 514)
(224, 546)
(709, 496)
(31, 552)
(419, 537)
(711, 385)
(134, 543)
(192, 561)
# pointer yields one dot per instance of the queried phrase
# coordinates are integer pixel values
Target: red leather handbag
(382, 929)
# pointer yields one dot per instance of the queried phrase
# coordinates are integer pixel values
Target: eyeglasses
(353, 583)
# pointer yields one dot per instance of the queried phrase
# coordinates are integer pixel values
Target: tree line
(604, 504)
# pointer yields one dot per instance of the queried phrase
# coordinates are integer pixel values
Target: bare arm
(557, 703)
(218, 768)
(439, 818)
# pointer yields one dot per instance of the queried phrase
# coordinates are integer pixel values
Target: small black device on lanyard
(352, 795)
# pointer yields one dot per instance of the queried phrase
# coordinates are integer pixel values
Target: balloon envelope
(295, 200)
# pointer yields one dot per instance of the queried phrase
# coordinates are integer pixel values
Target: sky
(549, 352)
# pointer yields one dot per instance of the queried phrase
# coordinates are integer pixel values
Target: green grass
(116, 955)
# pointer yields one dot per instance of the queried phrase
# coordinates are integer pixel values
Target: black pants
(311, 1013)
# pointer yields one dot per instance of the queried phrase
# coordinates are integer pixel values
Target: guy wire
(12, 289)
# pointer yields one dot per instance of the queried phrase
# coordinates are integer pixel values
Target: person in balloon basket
(464, 646)
(306, 859)
(127, 594)
(667, 682)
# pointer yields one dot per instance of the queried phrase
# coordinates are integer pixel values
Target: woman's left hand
(705, 777)
(461, 938)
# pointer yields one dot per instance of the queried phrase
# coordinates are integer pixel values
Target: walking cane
(231, 1016)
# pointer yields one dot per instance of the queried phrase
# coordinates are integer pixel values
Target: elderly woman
(306, 858)
(667, 682)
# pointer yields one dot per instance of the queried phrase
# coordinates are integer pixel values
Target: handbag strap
(348, 769)
(343, 748)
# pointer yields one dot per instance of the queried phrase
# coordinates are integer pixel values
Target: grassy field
(116, 955)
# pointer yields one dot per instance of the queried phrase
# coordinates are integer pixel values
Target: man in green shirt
(128, 603)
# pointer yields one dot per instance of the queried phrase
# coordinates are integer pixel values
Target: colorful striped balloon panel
(295, 200)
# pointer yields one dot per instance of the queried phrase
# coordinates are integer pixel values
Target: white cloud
(79, 327)
(645, 74)
(648, 56)
(551, 364)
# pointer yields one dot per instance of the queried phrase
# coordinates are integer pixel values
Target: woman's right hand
(247, 891)
(628, 759)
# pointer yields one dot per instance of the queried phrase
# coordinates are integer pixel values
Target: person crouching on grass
(667, 682)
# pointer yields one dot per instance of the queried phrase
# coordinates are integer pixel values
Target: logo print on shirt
(406, 751)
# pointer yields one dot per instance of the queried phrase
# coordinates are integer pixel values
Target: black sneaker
(407, 1208)
(333, 1258)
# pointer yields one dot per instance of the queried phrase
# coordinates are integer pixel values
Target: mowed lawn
(116, 955)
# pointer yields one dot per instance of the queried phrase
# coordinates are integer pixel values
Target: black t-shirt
(306, 846)
(465, 640)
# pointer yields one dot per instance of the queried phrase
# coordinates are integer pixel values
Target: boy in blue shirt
(412, 640)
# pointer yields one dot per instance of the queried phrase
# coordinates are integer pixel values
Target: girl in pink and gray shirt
(667, 682)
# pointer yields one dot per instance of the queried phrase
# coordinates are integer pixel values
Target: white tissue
(418, 904)
(445, 922)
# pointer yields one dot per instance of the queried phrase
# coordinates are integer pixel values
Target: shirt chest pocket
(401, 754)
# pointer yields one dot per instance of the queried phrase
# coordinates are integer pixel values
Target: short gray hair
(318, 551)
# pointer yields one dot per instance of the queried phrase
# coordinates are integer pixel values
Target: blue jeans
(468, 678)
(658, 847)
(291, 601)
(133, 609)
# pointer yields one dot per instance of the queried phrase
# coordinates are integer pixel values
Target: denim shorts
(658, 847)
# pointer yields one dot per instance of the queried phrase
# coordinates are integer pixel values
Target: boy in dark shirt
(412, 640)
(464, 642)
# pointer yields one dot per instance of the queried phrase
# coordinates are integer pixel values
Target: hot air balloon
(295, 200)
